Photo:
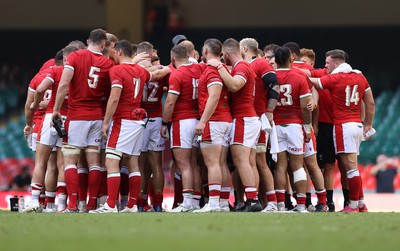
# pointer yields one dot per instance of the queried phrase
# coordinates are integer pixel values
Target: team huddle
(265, 122)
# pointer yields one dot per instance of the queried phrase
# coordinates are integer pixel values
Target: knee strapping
(299, 175)
(113, 154)
(68, 150)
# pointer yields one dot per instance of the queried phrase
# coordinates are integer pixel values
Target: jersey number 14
(352, 97)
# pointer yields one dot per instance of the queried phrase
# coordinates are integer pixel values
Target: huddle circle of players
(265, 122)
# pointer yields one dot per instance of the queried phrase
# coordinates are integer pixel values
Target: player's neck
(96, 48)
(236, 59)
(181, 62)
(249, 57)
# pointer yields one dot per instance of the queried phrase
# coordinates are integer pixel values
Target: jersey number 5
(354, 97)
(93, 77)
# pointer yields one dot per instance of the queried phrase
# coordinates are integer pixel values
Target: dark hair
(271, 47)
(125, 46)
(293, 47)
(134, 48)
(145, 47)
(282, 55)
(214, 45)
(69, 49)
(78, 44)
(179, 52)
(97, 36)
(59, 57)
(337, 54)
(232, 45)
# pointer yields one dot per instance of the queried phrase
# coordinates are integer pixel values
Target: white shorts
(126, 136)
(347, 137)
(217, 133)
(182, 134)
(310, 147)
(34, 138)
(245, 131)
(83, 133)
(152, 139)
(48, 135)
(262, 142)
(290, 138)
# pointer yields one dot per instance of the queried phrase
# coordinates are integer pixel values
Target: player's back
(347, 91)
(293, 87)
(88, 84)
(243, 100)
(55, 76)
(209, 77)
(183, 82)
(131, 78)
(260, 67)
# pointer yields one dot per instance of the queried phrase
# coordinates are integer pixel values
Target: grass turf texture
(188, 231)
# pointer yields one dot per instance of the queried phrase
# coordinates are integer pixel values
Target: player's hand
(315, 128)
(27, 131)
(307, 137)
(163, 132)
(33, 106)
(311, 105)
(270, 117)
(43, 105)
(104, 130)
(56, 115)
(199, 129)
(140, 57)
(213, 62)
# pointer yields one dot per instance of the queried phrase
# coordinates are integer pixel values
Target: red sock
(113, 182)
(354, 180)
(94, 183)
(71, 180)
(42, 199)
(321, 195)
(50, 197)
(251, 193)
(225, 193)
(158, 199)
(134, 188)
(300, 199)
(83, 184)
(124, 186)
(196, 196)
(61, 188)
(140, 201)
(178, 197)
(280, 195)
(103, 185)
(271, 196)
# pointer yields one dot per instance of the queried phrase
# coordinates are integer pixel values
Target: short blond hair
(304, 52)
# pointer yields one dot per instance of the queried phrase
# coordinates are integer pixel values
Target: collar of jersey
(282, 69)
(96, 52)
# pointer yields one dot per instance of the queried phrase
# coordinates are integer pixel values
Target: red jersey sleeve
(318, 73)
(264, 68)
(116, 78)
(241, 71)
(326, 82)
(304, 89)
(174, 84)
(71, 60)
(51, 75)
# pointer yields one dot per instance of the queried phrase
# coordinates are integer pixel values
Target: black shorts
(325, 147)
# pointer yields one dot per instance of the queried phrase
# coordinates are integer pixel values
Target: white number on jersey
(152, 96)
(136, 82)
(195, 83)
(354, 97)
(94, 76)
(286, 90)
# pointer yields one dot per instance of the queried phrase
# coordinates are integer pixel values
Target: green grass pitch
(206, 232)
